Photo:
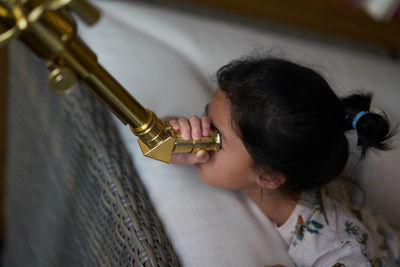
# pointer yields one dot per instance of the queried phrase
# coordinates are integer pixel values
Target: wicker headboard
(73, 197)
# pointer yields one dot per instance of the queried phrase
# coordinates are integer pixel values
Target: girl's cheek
(213, 159)
(217, 154)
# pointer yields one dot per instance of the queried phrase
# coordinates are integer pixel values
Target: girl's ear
(270, 179)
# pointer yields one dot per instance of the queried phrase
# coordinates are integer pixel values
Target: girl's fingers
(184, 127)
(183, 159)
(195, 124)
(174, 124)
(192, 128)
(190, 159)
(202, 156)
(206, 125)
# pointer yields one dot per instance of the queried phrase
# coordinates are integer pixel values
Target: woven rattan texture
(72, 195)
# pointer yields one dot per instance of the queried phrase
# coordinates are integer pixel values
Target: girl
(282, 129)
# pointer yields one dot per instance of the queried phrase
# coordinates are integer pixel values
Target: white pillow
(165, 59)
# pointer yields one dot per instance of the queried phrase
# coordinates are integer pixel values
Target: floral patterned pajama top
(325, 231)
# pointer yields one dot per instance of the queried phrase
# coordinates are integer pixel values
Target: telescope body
(49, 30)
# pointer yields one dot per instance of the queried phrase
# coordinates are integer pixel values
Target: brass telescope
(48, 28)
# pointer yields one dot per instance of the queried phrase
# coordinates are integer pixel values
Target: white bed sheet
(167, 61)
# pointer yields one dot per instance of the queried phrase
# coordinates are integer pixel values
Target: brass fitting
(208, 143)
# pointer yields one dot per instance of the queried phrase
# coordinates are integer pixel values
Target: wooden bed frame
(333, 17)
(3, 102)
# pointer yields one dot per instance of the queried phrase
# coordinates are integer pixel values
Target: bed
(79, 192)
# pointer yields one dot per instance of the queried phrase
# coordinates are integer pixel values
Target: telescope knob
(62, 80)
(85, 10)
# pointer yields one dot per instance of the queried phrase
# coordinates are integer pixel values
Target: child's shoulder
(326, 230)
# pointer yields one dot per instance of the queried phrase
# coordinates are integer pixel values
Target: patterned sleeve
(327, 234)
(345, 252)
(316, 244)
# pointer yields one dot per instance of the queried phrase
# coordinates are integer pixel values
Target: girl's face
(230, 167)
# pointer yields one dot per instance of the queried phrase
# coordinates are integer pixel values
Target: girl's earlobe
(270, 179)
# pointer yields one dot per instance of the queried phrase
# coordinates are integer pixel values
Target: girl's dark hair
(290, 120)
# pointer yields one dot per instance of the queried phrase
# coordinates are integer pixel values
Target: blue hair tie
(357, 117)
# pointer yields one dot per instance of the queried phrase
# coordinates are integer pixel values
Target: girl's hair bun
(374, 130)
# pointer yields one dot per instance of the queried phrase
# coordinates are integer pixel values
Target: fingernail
(199, 155)
(196, 136)
(202, 156)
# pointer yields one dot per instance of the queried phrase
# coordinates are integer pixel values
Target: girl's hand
(192, 128)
